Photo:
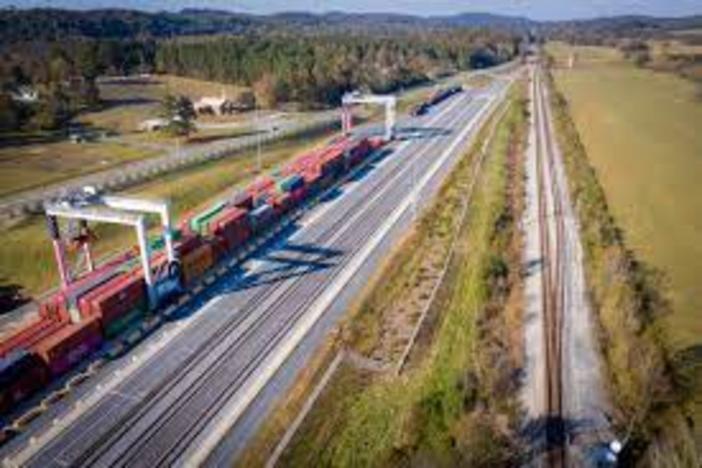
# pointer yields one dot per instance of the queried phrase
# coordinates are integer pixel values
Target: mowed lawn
(28, 166)
(643, 133)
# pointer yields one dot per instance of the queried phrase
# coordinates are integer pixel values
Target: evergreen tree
(9, 113)
(179, 112)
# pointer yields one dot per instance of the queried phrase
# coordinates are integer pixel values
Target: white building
(25, 94)
(221, 105)
(152, 125)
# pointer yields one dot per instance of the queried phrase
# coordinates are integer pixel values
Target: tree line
(316, 70)
(63, 74)
(310, 70)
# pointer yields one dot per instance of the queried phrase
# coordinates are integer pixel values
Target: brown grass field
(34, 165)
(641, 130)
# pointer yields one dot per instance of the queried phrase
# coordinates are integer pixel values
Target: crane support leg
(145, 254)
(59, 251)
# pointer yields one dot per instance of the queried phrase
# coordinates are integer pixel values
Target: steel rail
(264, 294)
(553, 284)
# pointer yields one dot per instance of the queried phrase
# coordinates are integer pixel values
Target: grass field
(128, 102)
(25, 252)
(641, 130)
(30, 166)
(34, 159)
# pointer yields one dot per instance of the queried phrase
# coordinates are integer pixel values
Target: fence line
(122, 177)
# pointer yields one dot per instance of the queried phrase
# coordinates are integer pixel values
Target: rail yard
(159, 405)
(281, 237)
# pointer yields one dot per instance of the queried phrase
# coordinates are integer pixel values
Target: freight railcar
(113, 299)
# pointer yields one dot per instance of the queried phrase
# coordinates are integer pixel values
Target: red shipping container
(298, 196)
(29, 335)
(219, 249)
(196, 263)
(233, 229)
(376, 143)
(242, 200)
(187, 244)
(282, 203)
(115, 299)
(55, 308)
(220, 245)
(333, 153)
(307, 161)
(21, 374)
(232, 215)
(69, 345)
(312, 176)
(260, 185)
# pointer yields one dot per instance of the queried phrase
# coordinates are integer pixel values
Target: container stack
(112, 301)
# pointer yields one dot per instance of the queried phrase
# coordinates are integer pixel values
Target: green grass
(426, 416)
(130, 103)
(30, 166)
(34, 159)
(25, 253)
(641, 130)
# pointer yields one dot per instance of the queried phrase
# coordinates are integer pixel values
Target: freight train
(113, 301)
(436, 97)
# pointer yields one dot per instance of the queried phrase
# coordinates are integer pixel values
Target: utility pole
(259, 164)
(414, 192)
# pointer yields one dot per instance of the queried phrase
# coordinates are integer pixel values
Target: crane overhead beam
(104, 214)
(389, 101)
(93, 213)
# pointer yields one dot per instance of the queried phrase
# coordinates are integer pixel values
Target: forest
(316, 70)
(311, 69)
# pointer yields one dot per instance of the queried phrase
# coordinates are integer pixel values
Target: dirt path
(563, 391)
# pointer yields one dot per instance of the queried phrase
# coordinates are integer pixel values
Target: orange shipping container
(69, 345)
(197, 262)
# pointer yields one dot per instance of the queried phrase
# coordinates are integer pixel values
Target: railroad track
(148, 450)
(551, 231)
(220, 380)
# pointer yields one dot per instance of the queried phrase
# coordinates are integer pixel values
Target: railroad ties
(552, 234)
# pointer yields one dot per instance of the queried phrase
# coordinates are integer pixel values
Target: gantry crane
(349, 99)
(87, 205)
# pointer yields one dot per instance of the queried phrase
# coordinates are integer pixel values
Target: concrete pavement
(170, 399)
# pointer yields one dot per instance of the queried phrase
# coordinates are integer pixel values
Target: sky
(534, 9)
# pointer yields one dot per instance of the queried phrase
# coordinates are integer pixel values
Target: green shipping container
(291, 183)
(119, 325)
(158, 242)
(199, 223)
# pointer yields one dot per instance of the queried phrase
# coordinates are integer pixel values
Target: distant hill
(51, 24)
(600, 29)
(483, 20)
(630, 22)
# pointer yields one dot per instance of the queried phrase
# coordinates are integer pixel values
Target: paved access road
(193, 394)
